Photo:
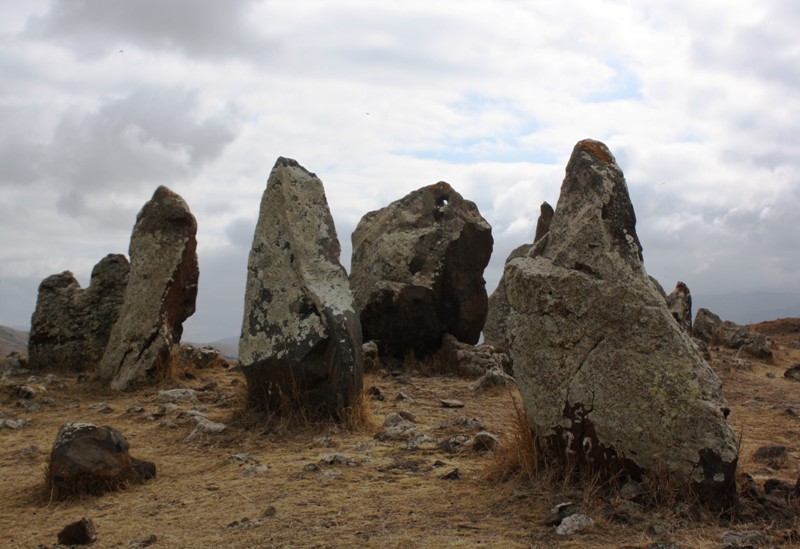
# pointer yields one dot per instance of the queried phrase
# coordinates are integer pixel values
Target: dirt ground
(376, 493)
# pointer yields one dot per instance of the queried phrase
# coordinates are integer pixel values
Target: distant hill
(12, 340)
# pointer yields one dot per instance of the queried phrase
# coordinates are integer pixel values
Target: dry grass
(390, 496)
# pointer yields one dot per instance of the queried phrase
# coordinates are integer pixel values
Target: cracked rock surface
(609, 379)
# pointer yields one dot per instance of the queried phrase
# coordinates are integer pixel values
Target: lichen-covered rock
(87, 459)
(301, 340)
(161, 292)
(417, 271)
(70, 327)
(494, 331)
(473, 360)
(679, 303)
(609, 380)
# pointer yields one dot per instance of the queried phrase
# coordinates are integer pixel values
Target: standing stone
(161, 292)
(609, 380)
(679, 303)
(706, 325)
(494, 332)
(70, 327)
(301, 340)
(417, 271)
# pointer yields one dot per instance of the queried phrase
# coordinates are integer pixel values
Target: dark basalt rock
(417, 271)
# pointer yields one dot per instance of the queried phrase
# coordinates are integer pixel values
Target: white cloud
(696, 100)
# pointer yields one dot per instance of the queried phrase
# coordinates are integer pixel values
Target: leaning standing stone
(301, 340)
(161, 292)
(610, 381)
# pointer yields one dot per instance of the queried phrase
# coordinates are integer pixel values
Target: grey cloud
(149, 137)
(198, 28)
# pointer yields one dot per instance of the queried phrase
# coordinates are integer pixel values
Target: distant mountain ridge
(12, 340)
(749, 307)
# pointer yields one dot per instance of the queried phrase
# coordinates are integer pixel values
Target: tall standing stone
(417, 271)
(609, 380)
(679, 303)
(300, 344)
(161, 292)
(70, 327)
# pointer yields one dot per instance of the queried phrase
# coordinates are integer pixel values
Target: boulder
(82, 532)
(300, 344)
(474, 360)
(160, 296)
(610, 382)
(70, 326)
(417, 271)
(706, 325)
(735, 336)
(87, 459)
(679, 303)
(494, 332)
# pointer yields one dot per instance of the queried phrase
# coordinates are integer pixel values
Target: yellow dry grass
(388, 497)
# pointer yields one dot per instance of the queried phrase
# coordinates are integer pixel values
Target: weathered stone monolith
(161, 292)
(300, 344)
(679, 303)
(610, 382)
(70, 327)
(417, 271)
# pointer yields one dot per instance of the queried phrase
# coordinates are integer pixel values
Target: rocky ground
(416, 480)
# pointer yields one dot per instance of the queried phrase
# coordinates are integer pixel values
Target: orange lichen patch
(597, 149)
(440, 190)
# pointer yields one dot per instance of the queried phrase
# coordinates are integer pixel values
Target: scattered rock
(160, 295)
(242, 459)
(455, 474)
(574, 524)
(744, 539)
(679, 303)
(417, 271)
(372, 360)
(494, 377)
(205, 427)
(559, 512)
(70, 326)
(81, 532)
(395, 426)
(177, 395)
(474, 360)
(774, 455)
(87, 459)
(254, 470)
(269, 512)
(485, 441)
(471, 423)
(375, 394)
(202, 357)
(301, 340)
(593, 345)
(451, 403)
(454, 444)
(339, 459)
(14, 424)
(793, 373)
(402, 397)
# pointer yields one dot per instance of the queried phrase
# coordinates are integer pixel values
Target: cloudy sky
(101, 101)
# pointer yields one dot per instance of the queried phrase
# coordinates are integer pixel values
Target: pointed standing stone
(609, 380)
(301, 340)
(161, 292)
